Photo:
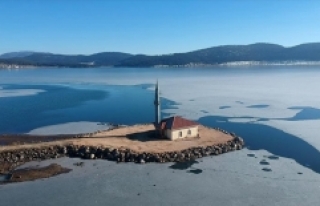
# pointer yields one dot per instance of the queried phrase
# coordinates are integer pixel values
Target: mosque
(174, 127)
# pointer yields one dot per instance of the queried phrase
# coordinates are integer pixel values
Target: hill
(230, 53)
(259, 52)
(99, 59)
(10, 55)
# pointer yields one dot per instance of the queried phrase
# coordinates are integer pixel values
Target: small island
(173, 139)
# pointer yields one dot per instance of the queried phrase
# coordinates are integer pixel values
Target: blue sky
(153, 26)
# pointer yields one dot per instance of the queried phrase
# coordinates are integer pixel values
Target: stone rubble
(18, 157)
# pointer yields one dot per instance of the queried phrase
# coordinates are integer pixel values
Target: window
(189, 132)
(180, 134)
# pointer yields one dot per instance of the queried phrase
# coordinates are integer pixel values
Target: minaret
(157, 105)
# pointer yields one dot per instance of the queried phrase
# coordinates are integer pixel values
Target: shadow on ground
(146, 136)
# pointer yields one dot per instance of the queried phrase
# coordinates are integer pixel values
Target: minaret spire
(157, 105)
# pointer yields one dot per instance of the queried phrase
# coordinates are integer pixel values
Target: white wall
(175, 134)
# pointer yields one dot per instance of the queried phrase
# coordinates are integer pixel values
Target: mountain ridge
(10, 55)
(257, 52)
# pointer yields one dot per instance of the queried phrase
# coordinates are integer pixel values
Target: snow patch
(19, 92)
(70, 128)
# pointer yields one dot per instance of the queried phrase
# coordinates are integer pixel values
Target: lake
(276, 109)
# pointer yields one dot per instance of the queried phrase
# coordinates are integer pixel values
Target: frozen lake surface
(230, 179)
(275, 109)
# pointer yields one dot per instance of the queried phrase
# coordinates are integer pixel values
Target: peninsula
(172, 139)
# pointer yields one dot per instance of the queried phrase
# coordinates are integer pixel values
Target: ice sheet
(70, 128)
(229, 179)
(307, 130)
(18, 92)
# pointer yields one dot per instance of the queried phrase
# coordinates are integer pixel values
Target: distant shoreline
(225, 55)
(247, 63)
(190, 65)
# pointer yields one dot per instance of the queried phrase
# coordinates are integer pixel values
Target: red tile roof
(176, 122)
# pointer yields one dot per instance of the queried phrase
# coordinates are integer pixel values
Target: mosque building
(174, 127)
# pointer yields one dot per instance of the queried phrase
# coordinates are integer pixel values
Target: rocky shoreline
(10, 159)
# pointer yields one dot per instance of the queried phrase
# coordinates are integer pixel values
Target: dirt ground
(17, 139)
(140, 138)
(30, 174)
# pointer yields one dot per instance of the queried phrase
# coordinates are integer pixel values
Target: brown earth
(30, 174)
(140, 138)
(18, 139)
(6, 167)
